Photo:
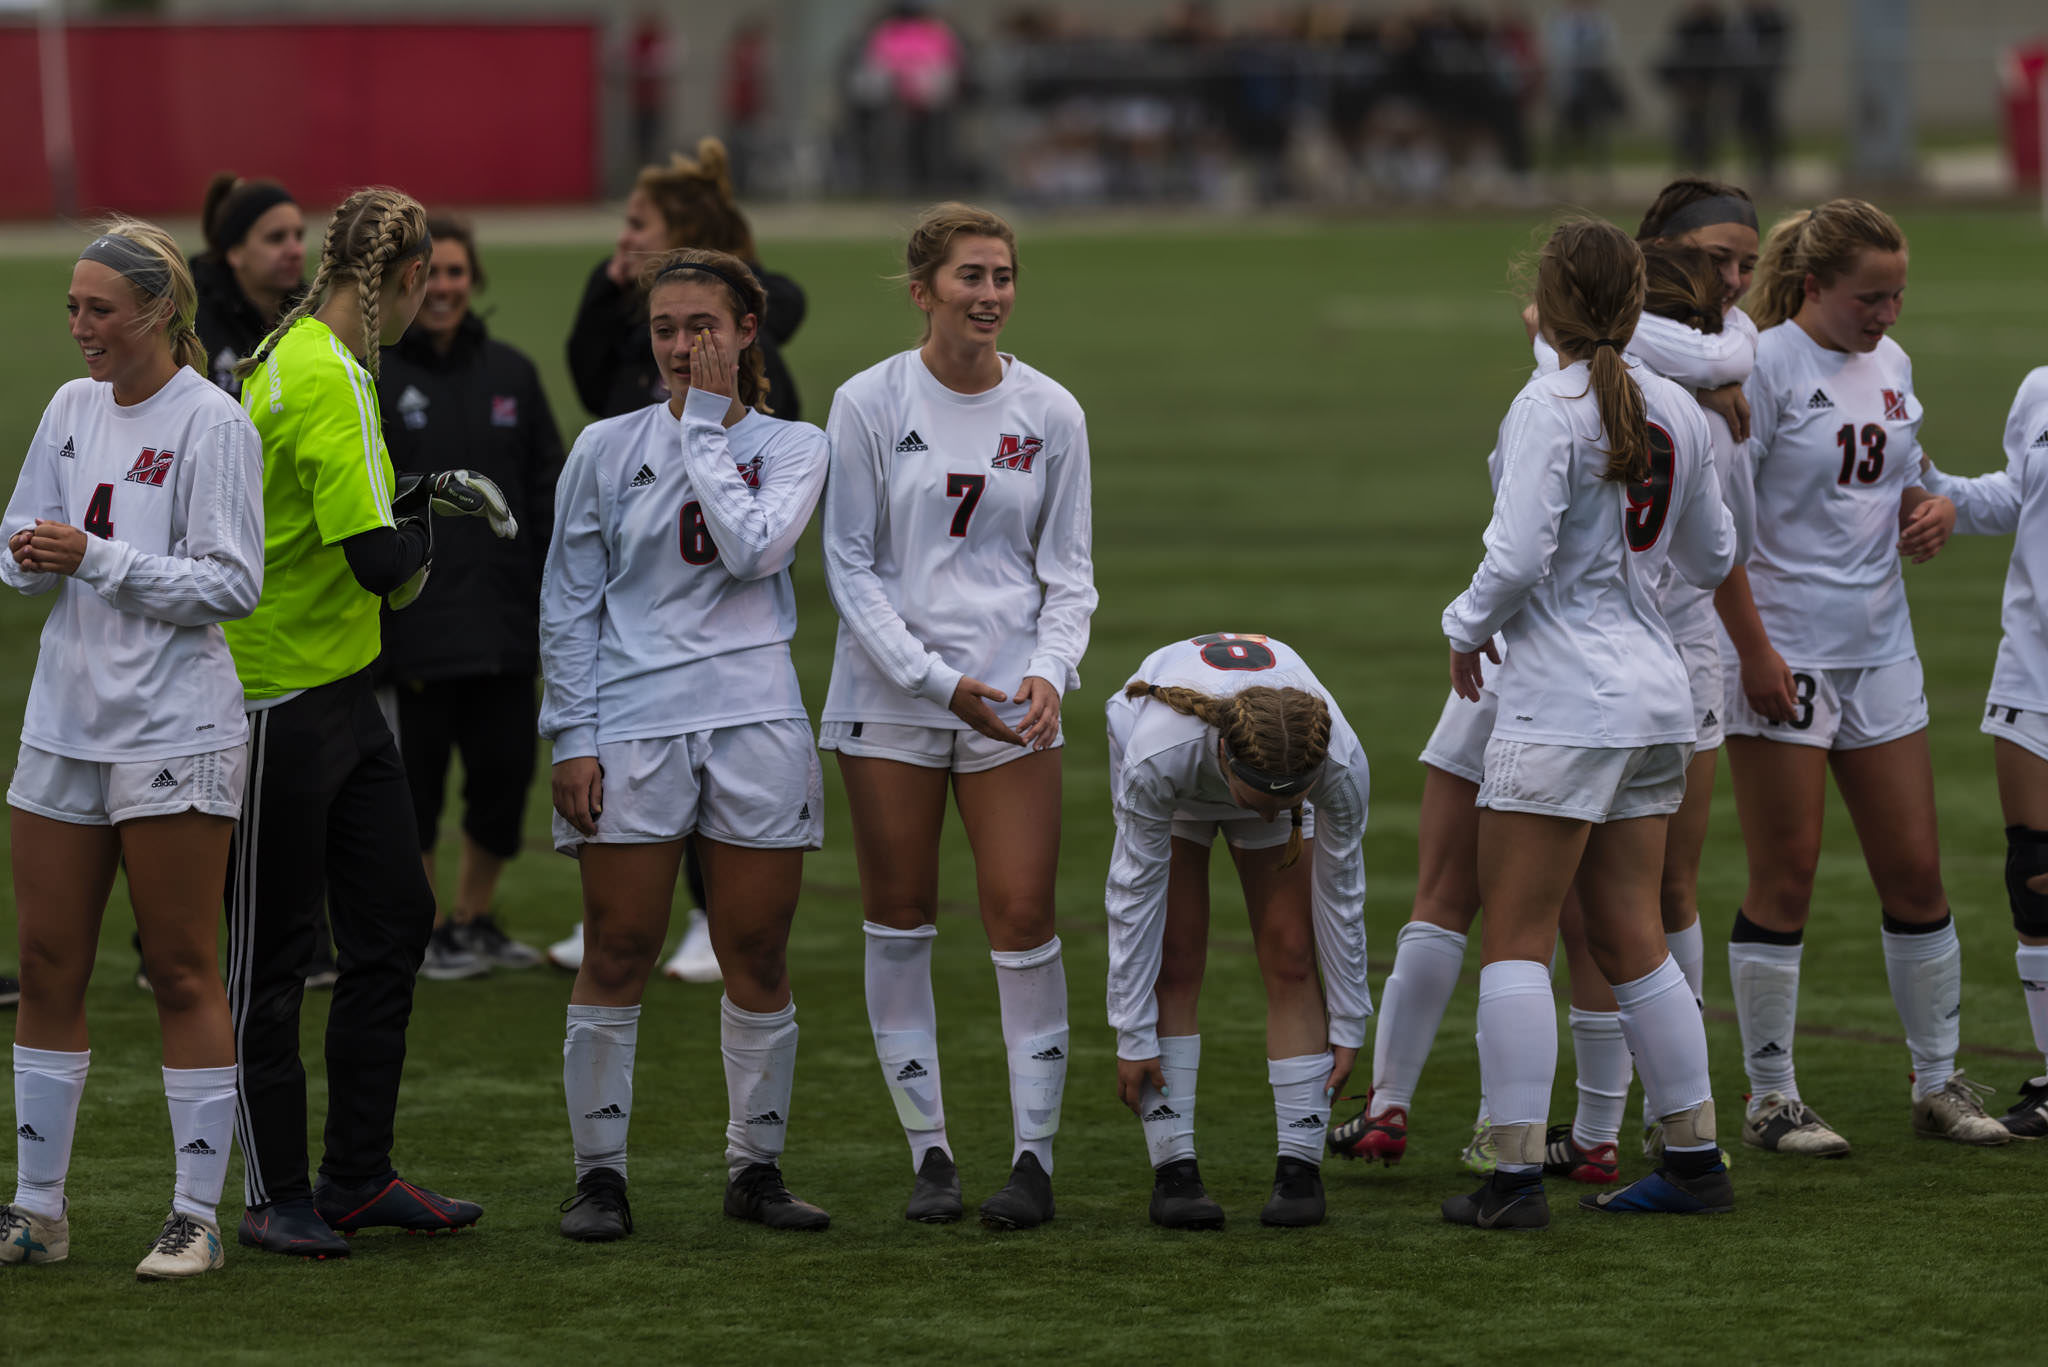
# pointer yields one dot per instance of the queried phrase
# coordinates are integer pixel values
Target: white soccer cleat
(29, 1238)
(1955, 1111)
(1785, 1124)
(694, 961)
(567, 955)
(184, 1248)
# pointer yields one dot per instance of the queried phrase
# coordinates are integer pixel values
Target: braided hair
(1280, 730)
(373, 231)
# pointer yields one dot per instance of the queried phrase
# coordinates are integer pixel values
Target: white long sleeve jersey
(133, 664)
(666, 605)
(1572, 565)
(957, 540)
(1697, 360)
(1834, 441)
(2015, 499)
(1163, 764)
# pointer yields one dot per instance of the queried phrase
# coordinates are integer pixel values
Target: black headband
(128, 258)
(245, 204)
(739, 295)
(1705, 213)
(1272, 785)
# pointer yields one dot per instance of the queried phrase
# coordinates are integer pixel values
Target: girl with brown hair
(1234, 734)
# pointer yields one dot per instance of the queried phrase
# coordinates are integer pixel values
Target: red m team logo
(150, 467)
(1015, 453)
(1894, 406)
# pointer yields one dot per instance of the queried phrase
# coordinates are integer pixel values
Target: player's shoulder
(1043, 388)
(886, 379)
(1892, 357)
(1782, 343)
(623, 431)
(79, 395)
(2033, 389)
(208, 404)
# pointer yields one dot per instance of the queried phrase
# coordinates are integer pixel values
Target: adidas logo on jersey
(910, 1070)
(611, 1112)
(163, 779)
(1770, 1050)
(70, 451)
(202, 1148)
(644, 479)
(765, 1118)
(1052, 1055)
(913, 442)
(1311, 1121)
(1161, 1112)
(2039, 441)
(28, 1132)
(1820, 399)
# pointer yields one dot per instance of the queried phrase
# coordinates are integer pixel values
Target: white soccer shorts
(1584, 783)
(1839, 709)
(88, 792)
(756, 785)
(928, 747)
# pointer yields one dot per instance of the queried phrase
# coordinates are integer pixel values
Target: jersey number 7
(966, 488)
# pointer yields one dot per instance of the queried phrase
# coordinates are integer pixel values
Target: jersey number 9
(1650, 501)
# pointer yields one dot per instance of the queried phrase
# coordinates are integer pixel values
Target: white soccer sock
(1169, 1117)
(47, 1086)
(2033, 966)
(1032, 985)
(202, 1102)
(1517, 1042)
(1926, 976)
(1299, 1114)
(1664, 1027)
(760, 1069)
(597, 1079)
(905, 1022)
(1427, 959)
(1604, 1069)
(1764, 980)
(1689, 947)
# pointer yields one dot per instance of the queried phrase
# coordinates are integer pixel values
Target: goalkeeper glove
(456, 493)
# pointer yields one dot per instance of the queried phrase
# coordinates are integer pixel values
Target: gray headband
(1705, 213)
(126, 257)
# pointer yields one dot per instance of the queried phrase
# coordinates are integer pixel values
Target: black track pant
(326, 824)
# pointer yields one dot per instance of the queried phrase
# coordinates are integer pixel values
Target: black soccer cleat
(1025, 1202)
(392, 1203)
(597, 1213)
(1297, 1199)
(1180, 1201)
(1507, 1200)
(758, 1194)
(935, 1199)
(1667, 1192)
(293, 1228)
(2028, 1118)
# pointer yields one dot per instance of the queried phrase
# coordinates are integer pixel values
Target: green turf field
(1289, 429)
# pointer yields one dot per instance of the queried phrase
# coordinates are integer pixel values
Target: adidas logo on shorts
(910, 1071)
(1820, 399)
(1052, 1055)
(1711, 718)
(765, 1118)
(1311, 1121)
(1953, 1012)
(611, 1112)
(804, 813)
(202, 1148)
(1771, 1050)
(913, 442)
(644, 479)
(28, 1132)
(163, 779)
(1161, 1112)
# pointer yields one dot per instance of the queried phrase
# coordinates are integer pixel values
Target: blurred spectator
(464, 658)
(743, 101)
(1760, 42)
(251, 271)
(1584, 89)
(650, 63)
(1694, 69)
(909, 76)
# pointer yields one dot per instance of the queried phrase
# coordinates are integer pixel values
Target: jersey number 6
(966, 488)
(1650, 501)
(698, 547)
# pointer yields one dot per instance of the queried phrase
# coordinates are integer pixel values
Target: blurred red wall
(452, 113)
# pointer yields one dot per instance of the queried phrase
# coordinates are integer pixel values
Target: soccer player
(1605, 476)
(1830, 680)
(957, 536)
(2015, 499)
(461, 660)
(253, 269)
(138, 507)
(673, 706)
(1234, 734)
(327, 817)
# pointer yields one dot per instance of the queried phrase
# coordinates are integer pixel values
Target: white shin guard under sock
(2033, 965)
(1032, 986)
(1605, 1069)
(47, 1086)
(1926, 975)
(1517, 1041)
(760, 1070)
(597, 1081)
(1301, 1116)
(1168, 1117)
(905, 1022)
(1427, 960)
(1664, 1027)
(1764, 980)
(202, 1105)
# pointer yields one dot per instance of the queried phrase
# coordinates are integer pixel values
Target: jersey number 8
(1226, 650)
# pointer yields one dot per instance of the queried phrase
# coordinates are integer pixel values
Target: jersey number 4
(966, 488)
(99, 513)
(1649, 502)
(1871, 466)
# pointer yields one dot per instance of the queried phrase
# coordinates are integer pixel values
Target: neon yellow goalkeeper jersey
(326, 476)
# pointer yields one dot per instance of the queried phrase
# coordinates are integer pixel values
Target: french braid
(371, 230)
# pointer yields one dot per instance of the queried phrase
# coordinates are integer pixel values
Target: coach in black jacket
(250, 273)
(463, 658)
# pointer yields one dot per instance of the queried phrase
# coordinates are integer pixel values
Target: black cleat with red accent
(392, 1203)
(1380, 1137)
(293, 1228)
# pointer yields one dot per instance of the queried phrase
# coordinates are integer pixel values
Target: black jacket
(229, 325)
(612, 361)
(480, 407)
